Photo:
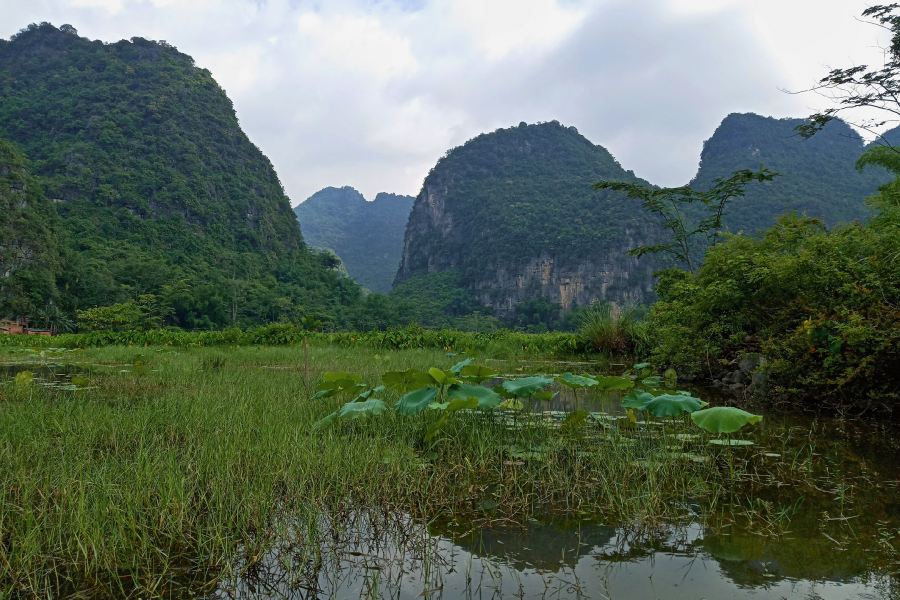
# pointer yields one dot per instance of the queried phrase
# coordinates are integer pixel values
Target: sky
(371, 93)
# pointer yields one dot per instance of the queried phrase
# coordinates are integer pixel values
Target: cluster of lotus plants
(461, 388)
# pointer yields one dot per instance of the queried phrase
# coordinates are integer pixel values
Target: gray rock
(750, 362)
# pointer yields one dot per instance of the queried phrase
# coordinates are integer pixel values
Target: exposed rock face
(514, 212)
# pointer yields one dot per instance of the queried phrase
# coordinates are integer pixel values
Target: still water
(832, 534)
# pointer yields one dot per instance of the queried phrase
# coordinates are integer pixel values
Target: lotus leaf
(362, 410)
(333, 376)
(639, 366)
(24, 378)
(614, 383)
(325, 422)
(723, 419)
(80, 381)
(501, 391)
(576, 381)
(442, 377)
(487, 398)
(455, 369)
(650, 381)
(450, 354)
(477, 373)
(638, 400)
(326, 389)
(672, 405)
(525, 386)
(670, 375)
(432, 431)
(460, 404)
(406, 381)
(575, 421)
(416, 401)
(365, 395)
(512, 404)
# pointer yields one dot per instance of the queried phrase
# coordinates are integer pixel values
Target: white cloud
(370, 93)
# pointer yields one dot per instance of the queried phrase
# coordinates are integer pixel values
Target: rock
(759, 380)
(736, 387)
(750, 362)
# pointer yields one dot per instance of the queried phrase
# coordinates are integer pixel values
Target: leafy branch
(668, 203)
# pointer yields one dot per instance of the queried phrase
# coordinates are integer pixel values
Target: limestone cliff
(514, 212)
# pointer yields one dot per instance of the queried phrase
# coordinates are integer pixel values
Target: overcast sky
(370, 93)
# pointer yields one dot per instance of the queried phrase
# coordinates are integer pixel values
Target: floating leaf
(487, 398)
(672, 405)
(640, 366)
(24, 378)
(478, 373)
(731, 442)
(525, 386)
(576, 381)
(450, 354)
(415, 402)
(670, 375)
(455, 369)
(723, 419)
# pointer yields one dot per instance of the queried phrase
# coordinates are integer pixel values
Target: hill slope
(144, 158)
(818, 175)
(368, 236)
(30, 258)
(514, 213)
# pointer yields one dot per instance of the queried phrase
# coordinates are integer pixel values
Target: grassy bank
(171, 466)
(499, 343)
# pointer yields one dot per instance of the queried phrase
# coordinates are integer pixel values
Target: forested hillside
(818, 175)
(514, 213)
(368, 236)
(30, 259)
(159, 190)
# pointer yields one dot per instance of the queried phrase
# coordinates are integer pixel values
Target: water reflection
(371, 556)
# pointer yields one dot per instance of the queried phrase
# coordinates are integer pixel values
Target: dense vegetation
(368, 236)
(30, 258)
(817, 176)
(515, 195)
(159, 190)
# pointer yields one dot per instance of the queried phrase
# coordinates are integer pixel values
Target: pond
(831, 533)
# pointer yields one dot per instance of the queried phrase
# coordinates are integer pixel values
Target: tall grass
(612, 329)
(199, 461)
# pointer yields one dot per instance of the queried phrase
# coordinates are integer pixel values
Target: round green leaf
(478, 373)
(723, 419)
(525, 386)
(672, 405)
(455, 369)
(487, 399)
(614, 383)
(24, 378)
(415, 402)
(362, 410)
(637, 400)
(576, 381)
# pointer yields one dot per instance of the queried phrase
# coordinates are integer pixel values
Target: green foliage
(821, 303)
(148, 312)
(30, 248)
(368, 236)
(144, 160)
(432, 299)
(415, 402)
(723, 419)
(672, 405)
(525, 386)
(515, 195)
(614, 330)
(817, 179)
(671, 205)
(486, 398)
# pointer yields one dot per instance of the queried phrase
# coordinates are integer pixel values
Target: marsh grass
(186, 467)
(613, 329)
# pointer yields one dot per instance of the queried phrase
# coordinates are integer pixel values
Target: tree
(862, 87)
(669, 204)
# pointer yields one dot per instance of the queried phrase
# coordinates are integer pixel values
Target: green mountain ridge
(368, 236)
(513, 211)
(144, 159)
(818, 175)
